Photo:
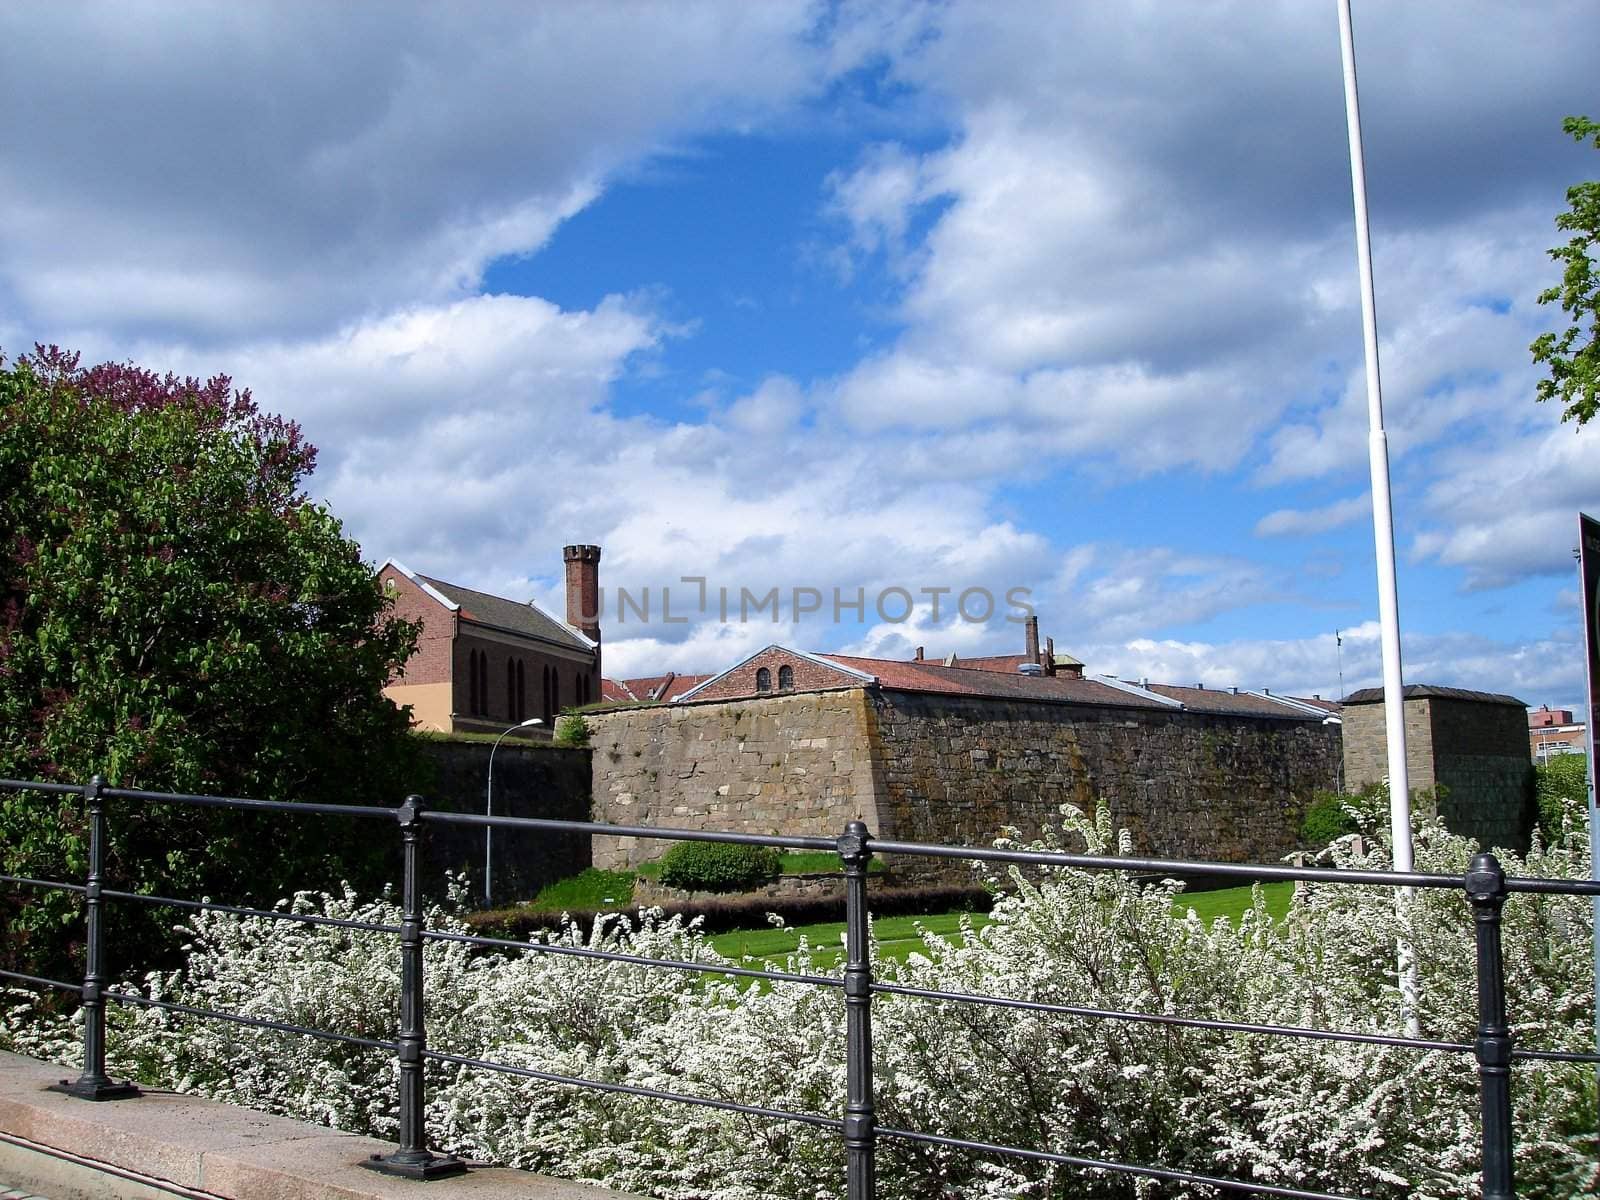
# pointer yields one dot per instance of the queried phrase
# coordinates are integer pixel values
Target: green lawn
(897, 936)
(1233, 902)
(593, 888)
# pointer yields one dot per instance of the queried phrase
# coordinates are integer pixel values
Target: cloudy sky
(858, 296)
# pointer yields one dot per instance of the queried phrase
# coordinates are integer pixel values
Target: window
(549, 709)
(763, 680)
(522, 692)
(477, 683)
(511, 690)
(786, 679)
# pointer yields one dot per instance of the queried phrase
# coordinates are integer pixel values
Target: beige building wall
(430, 703)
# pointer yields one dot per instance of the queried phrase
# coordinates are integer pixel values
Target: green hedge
(717, 866)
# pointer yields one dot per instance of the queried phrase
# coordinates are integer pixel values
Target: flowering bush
(1363, 1120)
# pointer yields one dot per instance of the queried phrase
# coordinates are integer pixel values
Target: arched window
(511, 690)
(786, 679)
(522, 692)
(472, 682)
(549, 710)
(763, 680)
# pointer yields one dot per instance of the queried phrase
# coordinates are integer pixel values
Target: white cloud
(1530, 668)
(1118, 239)
(230, 170)
(1285, 521)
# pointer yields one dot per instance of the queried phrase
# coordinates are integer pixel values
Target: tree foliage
(1572, 357)
(1562, 785)
(177, 615)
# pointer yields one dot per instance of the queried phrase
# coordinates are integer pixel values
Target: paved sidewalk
(164, 1144)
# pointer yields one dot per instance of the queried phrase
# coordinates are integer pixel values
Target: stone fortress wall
(956, 769)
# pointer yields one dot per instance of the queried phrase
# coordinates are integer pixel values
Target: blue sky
(871, 295)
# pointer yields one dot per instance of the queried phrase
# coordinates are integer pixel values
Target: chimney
(1049, 656)
(583, 589)
(1032, 651)
(918, 656)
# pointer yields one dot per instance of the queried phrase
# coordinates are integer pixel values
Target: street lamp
(488, 809)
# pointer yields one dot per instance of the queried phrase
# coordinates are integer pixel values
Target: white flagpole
(1382, 525)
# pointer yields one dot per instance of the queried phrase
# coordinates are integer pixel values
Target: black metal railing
(1485, 887)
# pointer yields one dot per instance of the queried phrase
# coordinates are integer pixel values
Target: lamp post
(488, 809)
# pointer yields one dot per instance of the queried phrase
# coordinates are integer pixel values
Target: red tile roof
(960, 681)
(648, 689)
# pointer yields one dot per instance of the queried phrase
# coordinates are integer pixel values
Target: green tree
(1573, 356)
(177, 615)
(1562, 785)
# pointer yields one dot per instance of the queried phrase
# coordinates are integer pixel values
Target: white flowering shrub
(1356, 1119)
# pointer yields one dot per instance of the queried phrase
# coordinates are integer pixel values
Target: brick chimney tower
(583, 589)
(1031, 653)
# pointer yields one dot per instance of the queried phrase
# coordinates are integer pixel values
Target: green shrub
(571, 730)
(717, 867)
(1326, 819)
(1562, 785)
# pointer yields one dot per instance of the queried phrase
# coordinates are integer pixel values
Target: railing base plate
(96, 1089)
(434, 1166)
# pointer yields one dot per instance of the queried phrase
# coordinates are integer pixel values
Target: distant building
(649, 689)
(484, 662)
(1553, 732)
(1046, 658)
(1469, 745)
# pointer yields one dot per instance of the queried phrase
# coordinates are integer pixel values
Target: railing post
(860, 1137)
(94, 1083)
(1486, 889)
(412, 1159)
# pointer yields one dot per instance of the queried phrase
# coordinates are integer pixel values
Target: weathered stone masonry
(1186, 785)
(1472, 746)
(791, 764)
(941, 768)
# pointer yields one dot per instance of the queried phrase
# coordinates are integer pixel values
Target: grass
(1233, 903)
(898, 937)
(593, 888)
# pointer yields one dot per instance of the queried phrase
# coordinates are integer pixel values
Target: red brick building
(484, 662)
(1552, 731)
